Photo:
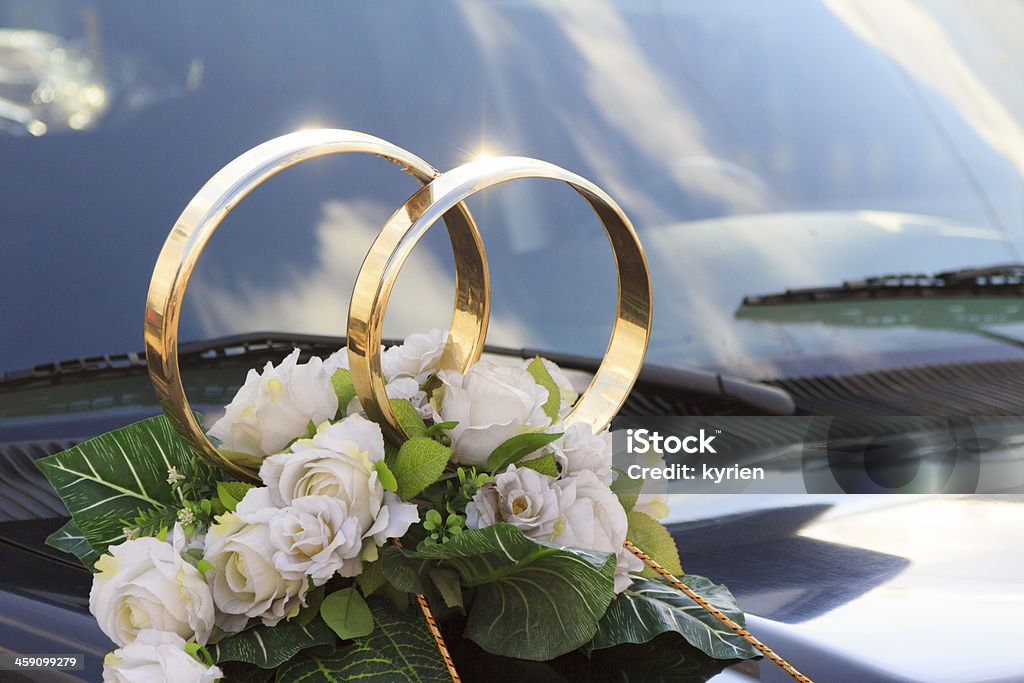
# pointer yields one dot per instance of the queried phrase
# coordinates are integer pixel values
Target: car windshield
(756, 147)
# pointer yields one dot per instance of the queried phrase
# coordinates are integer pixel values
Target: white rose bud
(417, 357)
(593, 518)
(273, 408)
(314, 536)
(491, 404)
(145, 584)
(156, 656)
(245, 582)
(521, 497)
(580, 449)
(339, 462)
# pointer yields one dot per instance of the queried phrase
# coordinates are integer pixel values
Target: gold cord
(717, 614)
(435, 631)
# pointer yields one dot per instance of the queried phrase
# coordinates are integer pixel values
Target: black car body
(758, 148)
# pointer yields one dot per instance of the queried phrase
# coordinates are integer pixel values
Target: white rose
(339, 462)
(592, 517)
(314, 537)
(145, 584)
(491, 404)
(156, 656)
(519, 496)
(567, 394)
(274, 407)
(580, 449)
(245, 582)
(416, 358)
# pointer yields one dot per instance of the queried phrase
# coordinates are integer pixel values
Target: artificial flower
(490, 404)
(592, 517)
(275, 406)
(313, 537)
(340, 462)
(415, 358)
(156, 657)
(145, 584)
(580, 449)
(245, 583)
(519, 496)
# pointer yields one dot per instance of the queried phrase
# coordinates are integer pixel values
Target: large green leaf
(533, 600)
(270, 646)
(114, 476)
(399, 649)
(649, 608)
(70, 539)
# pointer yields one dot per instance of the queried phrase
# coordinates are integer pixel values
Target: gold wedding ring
(626, 349)
(222, 193)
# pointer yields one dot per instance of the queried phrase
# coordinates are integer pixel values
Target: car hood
(702, 270)
(869, 588)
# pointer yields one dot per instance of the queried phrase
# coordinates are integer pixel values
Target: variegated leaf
(533, 600)
(650, 607)
(270, 646)
(400, 648)
(70, 539)
(118, 474)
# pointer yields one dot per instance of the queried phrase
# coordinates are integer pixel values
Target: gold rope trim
(717, 614)
(435, 631)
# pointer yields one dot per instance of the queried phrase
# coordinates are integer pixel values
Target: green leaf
(542, 377)
(533, 600)
(517, 447)
(69, 538)
(310, 429)
(231, 493)
(407, 416)
(242, 459)
(347, 614)
(118, 474)
(649, 608)
(371, 578)
(403, 573)
(419, 463)
(270, 646)
(654, 539)
(447, 582)
(399, 649)
(626, 489)
(545, 464)
(435, 429)
(386, 477)
(344, 389)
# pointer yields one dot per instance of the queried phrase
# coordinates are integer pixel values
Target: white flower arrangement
(491, 488)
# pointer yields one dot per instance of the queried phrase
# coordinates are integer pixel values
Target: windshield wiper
(998, 280)
(252, 350)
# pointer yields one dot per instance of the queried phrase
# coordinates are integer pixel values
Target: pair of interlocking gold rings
(442, 195)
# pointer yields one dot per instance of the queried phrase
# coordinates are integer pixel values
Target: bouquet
(381, 513)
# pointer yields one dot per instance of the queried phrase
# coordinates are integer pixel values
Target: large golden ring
(626, 349)
(209, 207)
